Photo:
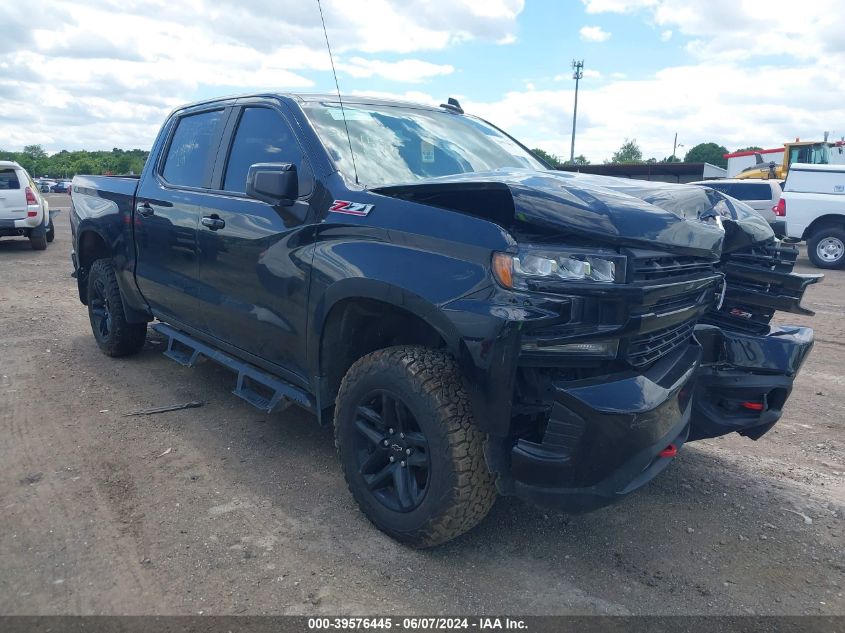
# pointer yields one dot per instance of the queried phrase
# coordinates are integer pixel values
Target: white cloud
(409, 70)
(128, 62)
(594, 34)
(703, 102)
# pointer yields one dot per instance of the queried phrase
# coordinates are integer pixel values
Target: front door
(253, 257)
(171, 200)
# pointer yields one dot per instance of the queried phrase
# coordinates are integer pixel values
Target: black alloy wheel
(391, 451)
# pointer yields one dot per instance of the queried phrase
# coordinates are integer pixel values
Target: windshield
(818, 154)
(399, 144)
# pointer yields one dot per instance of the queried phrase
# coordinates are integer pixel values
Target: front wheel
(114, 335)
(826, 248)
(51, 232)
(409, 447)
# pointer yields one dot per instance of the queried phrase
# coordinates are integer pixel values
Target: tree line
(630, 152)
(65, 164)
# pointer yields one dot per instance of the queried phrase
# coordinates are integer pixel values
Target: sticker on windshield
(426, 151)
(351, 208)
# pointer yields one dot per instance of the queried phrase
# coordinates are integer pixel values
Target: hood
(604, 209)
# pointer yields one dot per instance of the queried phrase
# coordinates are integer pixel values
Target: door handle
(214, 222)
(145, 210)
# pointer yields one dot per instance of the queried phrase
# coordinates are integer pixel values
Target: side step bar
(275, 395)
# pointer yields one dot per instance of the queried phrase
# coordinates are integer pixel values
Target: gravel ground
(225, 510)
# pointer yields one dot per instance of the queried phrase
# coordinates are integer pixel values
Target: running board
(277, 394)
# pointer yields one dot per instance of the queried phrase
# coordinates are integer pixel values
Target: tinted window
(751, 191)
(9, 179)
(190, 148)
(263, 137)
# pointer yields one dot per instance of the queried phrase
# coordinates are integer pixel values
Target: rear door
(12, 195)
(172, 197)
(253, 268)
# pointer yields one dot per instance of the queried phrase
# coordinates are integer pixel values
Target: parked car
(760, 195)
(23, 211)
(813, 204)
(61, 187)
(44, 185)
(469, 321)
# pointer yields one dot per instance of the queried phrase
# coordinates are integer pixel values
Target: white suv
(23, 211)
(761, 195)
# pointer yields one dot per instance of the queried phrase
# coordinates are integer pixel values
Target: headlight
(533, 267)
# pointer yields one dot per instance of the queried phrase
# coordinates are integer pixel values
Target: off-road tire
(121, 338)
(461, 489)
(835, 232)
(51, 232)
(38, 243)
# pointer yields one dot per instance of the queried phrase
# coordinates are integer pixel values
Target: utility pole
(577, 74)
(674, 147)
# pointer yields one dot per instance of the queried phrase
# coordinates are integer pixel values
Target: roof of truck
(316, 98)
(813, 167)
(9, 164)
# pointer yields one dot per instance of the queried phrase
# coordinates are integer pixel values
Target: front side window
(190, 148)
(263, 137)
(395, 144)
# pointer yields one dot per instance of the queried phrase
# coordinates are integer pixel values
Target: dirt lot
(224, 510)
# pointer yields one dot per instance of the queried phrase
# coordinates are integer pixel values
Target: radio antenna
(339, 98)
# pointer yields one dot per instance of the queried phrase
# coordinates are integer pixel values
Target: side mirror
(273, 183)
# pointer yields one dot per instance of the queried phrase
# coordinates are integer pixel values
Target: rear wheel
(38, 243)
(410, 451)
(51, 232)
(826, 248)
(114, 335)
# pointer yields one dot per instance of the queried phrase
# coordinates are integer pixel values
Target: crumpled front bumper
(745, 379)
(607, 436)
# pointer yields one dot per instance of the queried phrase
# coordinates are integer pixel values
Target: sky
(98, 74)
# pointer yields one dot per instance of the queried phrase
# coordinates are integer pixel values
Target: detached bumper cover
(745, 380)
(605, 436)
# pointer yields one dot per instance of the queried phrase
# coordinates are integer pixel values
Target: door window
(190, 148)
(263, 136)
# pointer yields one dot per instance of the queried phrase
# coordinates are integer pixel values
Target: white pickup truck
(813, 203)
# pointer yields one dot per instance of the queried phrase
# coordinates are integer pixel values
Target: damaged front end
(589, 379)
(748, 366)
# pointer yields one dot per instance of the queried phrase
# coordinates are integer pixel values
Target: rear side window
(190, 149)
(751, 191)
(263, 136)
(9, 179)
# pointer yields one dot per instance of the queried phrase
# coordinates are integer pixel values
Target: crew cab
(23, 211)
(470, 321)
(813, 204)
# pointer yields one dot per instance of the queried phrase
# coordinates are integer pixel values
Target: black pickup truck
(471, 322)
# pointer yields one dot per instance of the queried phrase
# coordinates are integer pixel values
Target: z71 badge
(351, 208)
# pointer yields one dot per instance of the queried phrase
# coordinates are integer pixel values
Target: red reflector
(31, 214)
(780, 208)
(754, 406)
(30, 197)
(669, 451)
